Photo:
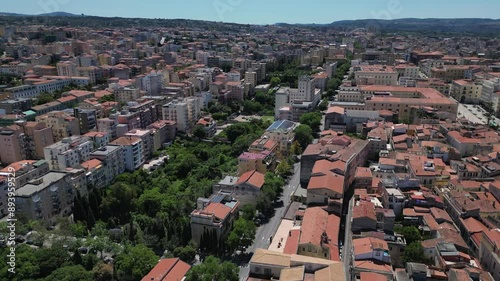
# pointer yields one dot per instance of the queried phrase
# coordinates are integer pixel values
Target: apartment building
(282, 132)
(375, 75)
(14, 143)
(63, 125)
(163, 132)
(113, 161)
(68, 153)
(99, 139)
(466, 91)
(94, 73)
(127, 94)
(147, 141)
(45, 198)
(66, 68)
(108, 125)
(261, 162)
(132, 150)
(184, 112)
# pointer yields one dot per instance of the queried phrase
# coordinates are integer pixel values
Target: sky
(263, 11)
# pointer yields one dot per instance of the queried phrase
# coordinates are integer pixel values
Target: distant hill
(58, 14)
(54, 14)
(459, 25)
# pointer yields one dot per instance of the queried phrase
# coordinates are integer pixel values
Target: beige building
(283, 133)
(489, 252)
(266, 264)
(401, 100)
(63, 125)
(375, 75)
(94, 73)
(127, 94)
(466, 91)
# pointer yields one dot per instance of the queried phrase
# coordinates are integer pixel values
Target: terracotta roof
(472, 225)
(440, 215)
(124, 141)
(17, 165)
(317, 221)
(168, 270)
(329, 181)
(372, 266)
(219, 210)
(364, 210)
(372, 276)
(362, 172)
(292, 242)
(253, 178)
(91, 164)
(368, 244)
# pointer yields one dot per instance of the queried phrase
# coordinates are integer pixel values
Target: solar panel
(217, 198)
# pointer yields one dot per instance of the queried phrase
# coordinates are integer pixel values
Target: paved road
(347, 256)
(265, 231)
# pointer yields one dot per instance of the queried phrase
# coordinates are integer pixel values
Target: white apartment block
(185, 112)
(68, 153)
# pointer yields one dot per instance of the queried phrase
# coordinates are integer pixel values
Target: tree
(213, 270)
(414, 252)
(186, 253)
(199, 132)
(135, 262)
(410, 233)
(248, 211)
(50, 259)
(295, 149)
(102, 272)
(323, 105)
(312, 119)
(283, 168)
(275, 81)
(242, 235)
(70, 273)
(304, 135)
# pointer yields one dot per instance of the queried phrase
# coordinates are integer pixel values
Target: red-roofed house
(319, 234)
(371, 248)
(364, 217)
(94, 173)
(168, 270)
(213, 216)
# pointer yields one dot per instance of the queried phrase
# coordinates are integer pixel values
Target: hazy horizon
(263, 12)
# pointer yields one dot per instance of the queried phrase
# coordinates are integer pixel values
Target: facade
(282, 132)
(466, 91)
(113, 160)
(213, 215)
(63, 125)
(68, 153)
(489, 252)
(183, 112)
(375, 75)
(262, 162)
(46, 197)
(132, 150)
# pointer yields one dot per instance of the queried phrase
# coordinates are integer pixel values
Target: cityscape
(213, 142)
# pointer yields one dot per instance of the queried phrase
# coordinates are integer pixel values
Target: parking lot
(155, 163)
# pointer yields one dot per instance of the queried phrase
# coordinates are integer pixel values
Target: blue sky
(263, 11)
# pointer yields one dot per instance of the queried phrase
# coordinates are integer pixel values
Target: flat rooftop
(30, 188)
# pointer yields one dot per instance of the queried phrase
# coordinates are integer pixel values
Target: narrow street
(265, 231)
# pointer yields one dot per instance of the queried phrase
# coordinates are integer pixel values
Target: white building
(185, 112)
(68, 153)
